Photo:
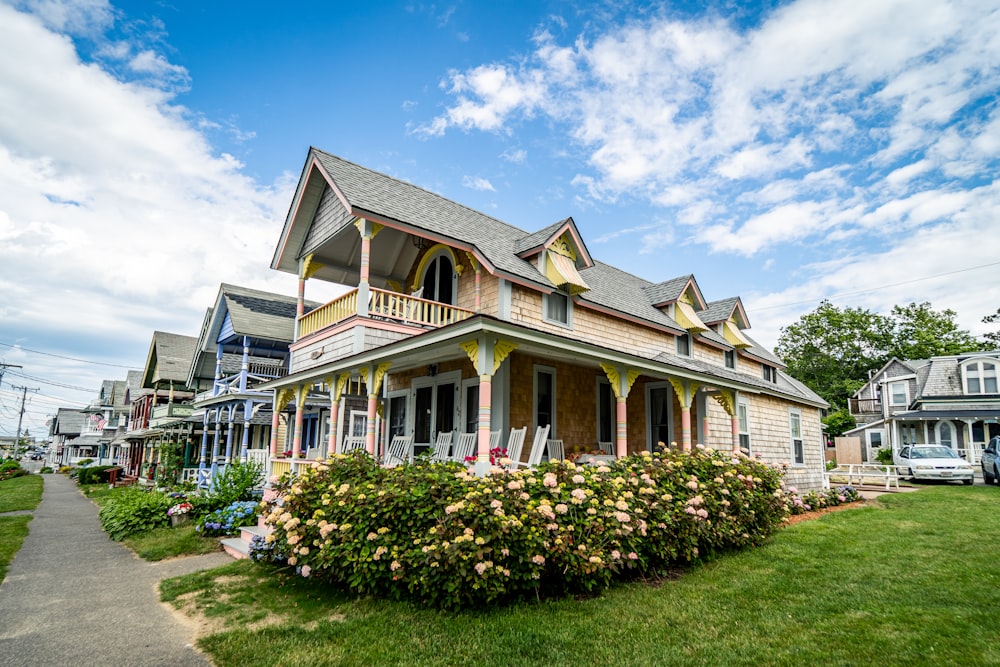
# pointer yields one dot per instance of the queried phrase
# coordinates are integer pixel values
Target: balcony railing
(180, 410)
(865, 406)
(384, 305)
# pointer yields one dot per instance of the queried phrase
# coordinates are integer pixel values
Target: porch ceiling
(392, 255)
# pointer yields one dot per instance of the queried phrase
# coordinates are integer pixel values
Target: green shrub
(45, 470)
(817, 500)
(95, 474)
(434, 533)
(11, 469)
(884, 456)
(235, 483)
(84, 462)
(132, 510)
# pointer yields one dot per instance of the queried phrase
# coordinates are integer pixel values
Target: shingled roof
(169, 358)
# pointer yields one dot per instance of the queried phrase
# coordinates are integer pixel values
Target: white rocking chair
(400, 451)
(555, 450)
(352, 443)
(514, 445)
(538, 445)
(442, 446)
(464, 447)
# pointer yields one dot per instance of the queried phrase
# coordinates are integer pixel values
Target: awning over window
(687, 318)
(561, 270)
(734, 336)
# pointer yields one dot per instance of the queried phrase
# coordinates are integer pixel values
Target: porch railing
(386, 305)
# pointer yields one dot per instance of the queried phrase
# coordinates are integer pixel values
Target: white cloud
(110, 196)
(477, 183)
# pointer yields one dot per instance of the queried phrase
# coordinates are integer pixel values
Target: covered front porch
(965, 431)
(481, 376)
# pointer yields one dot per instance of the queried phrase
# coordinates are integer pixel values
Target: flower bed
(229, 519)
(434, 533)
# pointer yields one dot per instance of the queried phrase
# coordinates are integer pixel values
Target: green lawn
(168, 542)
(911, 580)
(20, 493)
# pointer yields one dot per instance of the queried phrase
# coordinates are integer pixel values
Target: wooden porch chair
(464, 446)
(537, 446)
(494, 440)
(400, 451)
(515, 442)
(607, 448)
(313, 453)
(352, 443)
(555, 450)
(442, 446)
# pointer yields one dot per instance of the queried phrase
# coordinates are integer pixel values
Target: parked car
(933, 462)
(991, 461)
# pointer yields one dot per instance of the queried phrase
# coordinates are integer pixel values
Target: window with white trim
(795, 429)
(898, 394)
(980, 377)
(729, 358)
(557, 307)
(743, 418)
(606, 412)
(684, 345)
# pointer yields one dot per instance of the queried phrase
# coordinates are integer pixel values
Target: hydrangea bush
(817, 500)
(434, 533)
(228, 520)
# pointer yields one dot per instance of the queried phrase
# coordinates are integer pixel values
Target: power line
(881, 287)
(59, 356)
(61, 385)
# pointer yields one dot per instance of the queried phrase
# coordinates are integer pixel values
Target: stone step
(236, 547)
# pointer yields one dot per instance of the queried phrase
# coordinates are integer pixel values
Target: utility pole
(4, 367)
(20, 417)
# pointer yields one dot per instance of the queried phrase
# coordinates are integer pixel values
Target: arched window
(946, 435)
(980, 377)
(439, 280)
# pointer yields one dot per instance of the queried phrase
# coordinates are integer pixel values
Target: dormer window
(770, 373)
(980, 377)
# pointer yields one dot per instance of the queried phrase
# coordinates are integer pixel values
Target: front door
(660, 397)
(434, 408)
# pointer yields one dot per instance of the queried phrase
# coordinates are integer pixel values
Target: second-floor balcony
(382, 305)
(865, 406)
(170, 412)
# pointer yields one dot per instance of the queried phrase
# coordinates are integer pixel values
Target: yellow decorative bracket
(284, 398)
(310, 266)
(472, 349)
(303, 394)
(375, 227)
(726, 399)
(473, 262)
(685, 391)
(614, 377)
(376, 378)
(501, 350)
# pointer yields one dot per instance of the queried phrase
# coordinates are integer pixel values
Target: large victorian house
(950, 400)
(455, 321)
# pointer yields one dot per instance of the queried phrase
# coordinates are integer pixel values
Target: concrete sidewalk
(74, 597)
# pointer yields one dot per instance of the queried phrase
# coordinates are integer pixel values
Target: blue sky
(784, 152)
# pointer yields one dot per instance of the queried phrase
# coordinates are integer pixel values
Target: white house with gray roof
(456, 322)
(949, 400)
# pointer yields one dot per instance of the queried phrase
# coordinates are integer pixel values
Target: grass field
(19, 493)
(913, 579)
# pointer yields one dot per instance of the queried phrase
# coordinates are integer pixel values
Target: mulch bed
(806, 516)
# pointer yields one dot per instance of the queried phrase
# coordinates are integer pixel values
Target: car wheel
(968, 482)
(996, 474)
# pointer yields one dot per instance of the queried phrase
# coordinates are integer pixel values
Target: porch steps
(239, 547)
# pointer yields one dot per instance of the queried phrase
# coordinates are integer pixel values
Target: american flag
(99, 421)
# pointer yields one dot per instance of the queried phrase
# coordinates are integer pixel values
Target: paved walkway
(73, 597)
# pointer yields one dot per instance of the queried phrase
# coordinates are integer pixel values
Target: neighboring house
(162, 410)
(243, 342)
(63, 428)
(950, 400)
(460, 322)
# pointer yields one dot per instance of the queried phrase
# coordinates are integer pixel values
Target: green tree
(831, 349)
(921, 332)
(991, 339)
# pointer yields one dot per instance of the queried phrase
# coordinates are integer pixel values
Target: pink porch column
(297, 433)
(686, 428)
(275, 421)
(704, 429)
(621, 427)
(485, 417)
(736, 434)
(370, 432)
(331, 445)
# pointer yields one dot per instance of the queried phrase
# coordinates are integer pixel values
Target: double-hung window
(898, 394)
(558, 308)
(980, 377)
(743, 417)
(795, 429)
(684, 345)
